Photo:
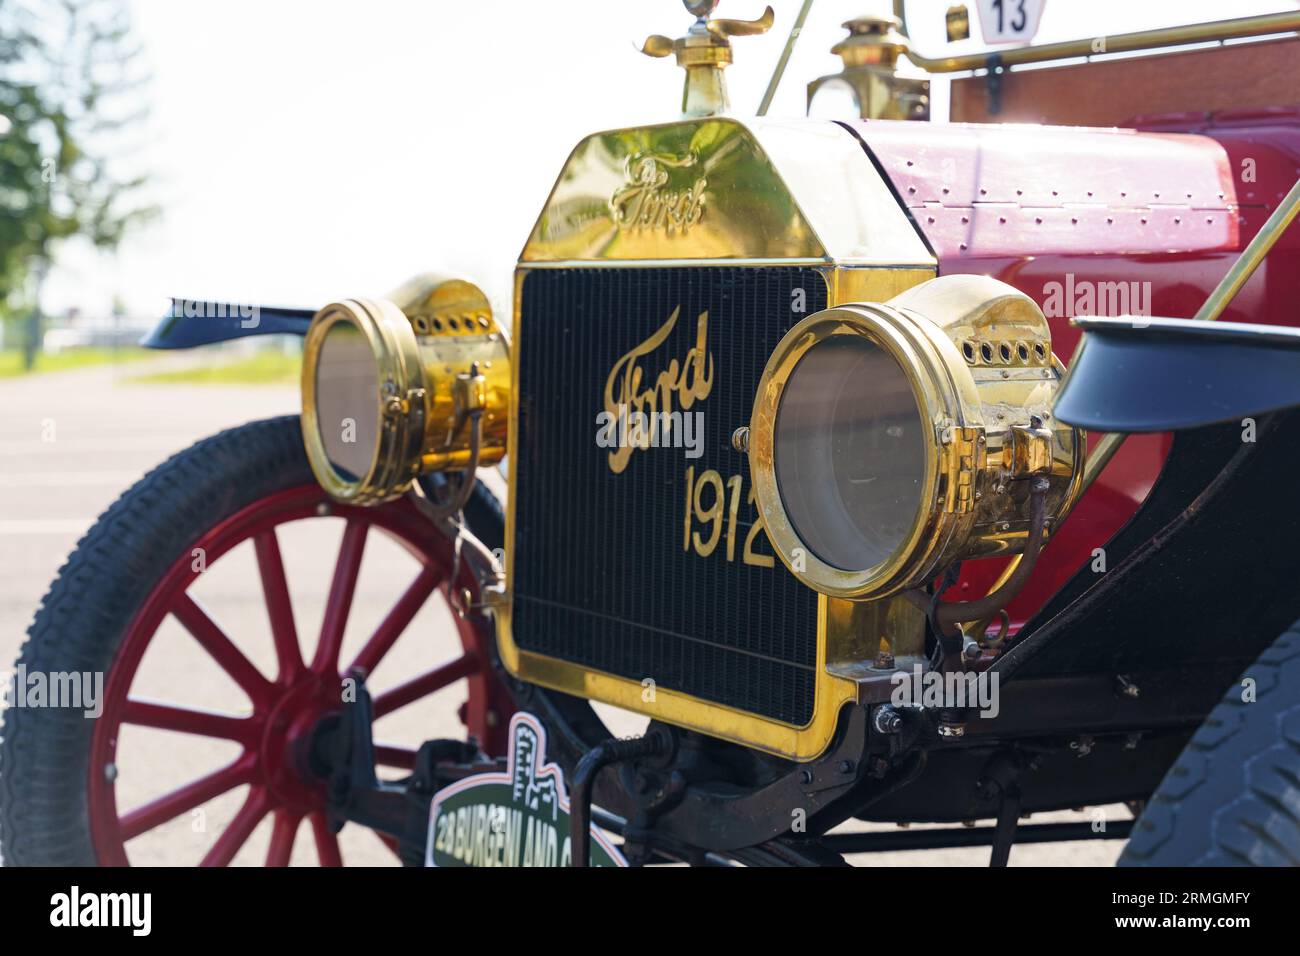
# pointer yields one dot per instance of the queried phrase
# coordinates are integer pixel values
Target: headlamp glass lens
(849, 453)
(347, 400)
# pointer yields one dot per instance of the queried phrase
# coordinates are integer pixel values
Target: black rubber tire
(1232, 798)
(80, 624)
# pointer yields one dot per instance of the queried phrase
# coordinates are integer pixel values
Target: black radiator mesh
(601, 578)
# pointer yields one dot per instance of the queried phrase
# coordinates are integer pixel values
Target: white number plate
(1010, 21)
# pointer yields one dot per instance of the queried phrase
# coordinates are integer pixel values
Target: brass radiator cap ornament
(703, 52)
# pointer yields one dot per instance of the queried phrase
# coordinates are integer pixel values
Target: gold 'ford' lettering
(645, 203)
(677, 387)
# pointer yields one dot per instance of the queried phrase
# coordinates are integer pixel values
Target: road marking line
(69, 479)
(22, 526)
(72, 444)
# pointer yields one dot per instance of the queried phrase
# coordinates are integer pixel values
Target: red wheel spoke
(407, 606)
(222, 650)
(340, 597)
(186, 721)
(327, 843)
(296, 690)
(279, 608)
(387, 755)
(171, 805)
(256, 805)
(425, 684)
(284, 828)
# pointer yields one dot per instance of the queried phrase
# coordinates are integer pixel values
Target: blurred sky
(307, 150)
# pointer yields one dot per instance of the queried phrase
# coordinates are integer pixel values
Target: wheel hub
(284, 753)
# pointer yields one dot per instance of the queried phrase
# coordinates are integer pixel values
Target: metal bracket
(656, 743)
(993, 81)
(1028, 451)
(1000, 779)
(716, 817)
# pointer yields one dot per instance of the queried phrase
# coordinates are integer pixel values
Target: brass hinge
(964, 456)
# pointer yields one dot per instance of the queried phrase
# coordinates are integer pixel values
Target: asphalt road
(70, 443)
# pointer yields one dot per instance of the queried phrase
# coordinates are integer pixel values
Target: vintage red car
(796, 472)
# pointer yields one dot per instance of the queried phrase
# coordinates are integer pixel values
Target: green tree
(71, 87)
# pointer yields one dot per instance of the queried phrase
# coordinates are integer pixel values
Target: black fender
(191, 322)
(1136, 374)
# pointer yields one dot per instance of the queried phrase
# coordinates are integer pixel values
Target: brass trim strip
(1251, 256)
(779, 72)
(1239, 28)
(727, 263)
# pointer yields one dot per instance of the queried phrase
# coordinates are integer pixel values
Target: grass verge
(270, 367)
(11, 360)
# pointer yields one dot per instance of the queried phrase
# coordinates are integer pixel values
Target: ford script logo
(647, 203)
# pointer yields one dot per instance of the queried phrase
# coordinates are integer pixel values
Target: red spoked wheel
(285, 708)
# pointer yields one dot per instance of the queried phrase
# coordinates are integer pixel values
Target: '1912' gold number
(723, 508)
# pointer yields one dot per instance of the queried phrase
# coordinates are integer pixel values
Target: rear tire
(1233, 796)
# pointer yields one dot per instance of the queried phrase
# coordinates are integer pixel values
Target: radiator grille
(601, 578)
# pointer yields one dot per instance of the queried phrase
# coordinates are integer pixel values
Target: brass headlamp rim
(400, 401)
(946, 400)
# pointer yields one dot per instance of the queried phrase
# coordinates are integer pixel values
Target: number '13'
(1018, 24)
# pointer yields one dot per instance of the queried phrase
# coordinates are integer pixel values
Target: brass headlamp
(888, 441)
(396, 388)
